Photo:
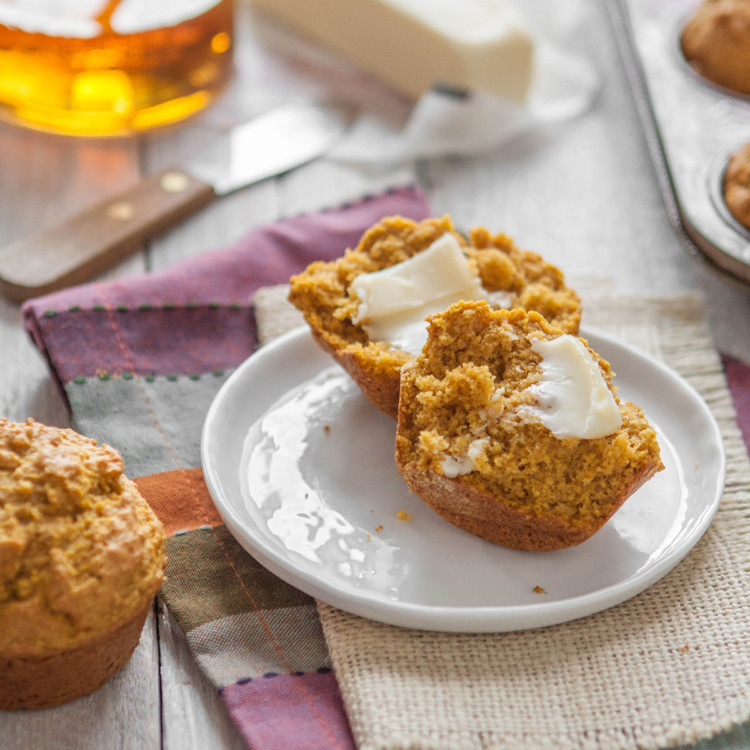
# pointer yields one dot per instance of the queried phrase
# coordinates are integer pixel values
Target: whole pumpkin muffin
(404, 270)
(716, 43)
(736, 185)
(512, 430)
(81, 559)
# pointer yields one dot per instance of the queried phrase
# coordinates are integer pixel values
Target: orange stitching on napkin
(191, 491)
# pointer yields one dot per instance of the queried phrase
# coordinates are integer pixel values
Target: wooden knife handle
(84, 245)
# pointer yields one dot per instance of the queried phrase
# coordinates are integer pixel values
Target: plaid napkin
(139, 361)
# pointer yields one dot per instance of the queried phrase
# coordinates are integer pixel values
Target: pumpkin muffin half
(512, 430)
(81, 558)
(368, 308)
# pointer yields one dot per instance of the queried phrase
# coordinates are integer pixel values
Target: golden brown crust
(41, 681)
(380, 385)
(81, 552)
(737, 185)
(321, 292)
(716, 42)
(480, 513)
(528, 489)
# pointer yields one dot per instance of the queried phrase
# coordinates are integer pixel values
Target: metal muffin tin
(692, 125)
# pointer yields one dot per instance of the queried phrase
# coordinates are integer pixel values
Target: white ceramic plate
(301, 468)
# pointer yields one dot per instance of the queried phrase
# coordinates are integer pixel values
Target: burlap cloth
(669, 666)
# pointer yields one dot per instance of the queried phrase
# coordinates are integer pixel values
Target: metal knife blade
(271, 144)
(87, 243)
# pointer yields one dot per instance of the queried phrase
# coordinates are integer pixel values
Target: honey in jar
(111, 67)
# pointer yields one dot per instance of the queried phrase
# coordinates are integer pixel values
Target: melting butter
(573, 399)
(395, 301)
(452, 466)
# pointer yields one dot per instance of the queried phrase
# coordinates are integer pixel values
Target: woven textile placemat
(669, 666)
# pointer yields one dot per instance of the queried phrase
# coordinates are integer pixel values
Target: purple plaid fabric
(139, 361)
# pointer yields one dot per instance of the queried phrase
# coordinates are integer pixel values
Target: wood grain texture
(194, 716)
(89, 242)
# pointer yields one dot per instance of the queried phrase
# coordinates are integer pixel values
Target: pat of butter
(453, 467)
(573, 399)
(395, 301)
(414, 44)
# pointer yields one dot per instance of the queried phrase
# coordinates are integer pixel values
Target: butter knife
(87, 243)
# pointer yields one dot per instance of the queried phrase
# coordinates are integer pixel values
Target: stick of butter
(415, 44)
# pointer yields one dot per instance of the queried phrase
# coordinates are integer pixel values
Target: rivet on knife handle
(87, 243)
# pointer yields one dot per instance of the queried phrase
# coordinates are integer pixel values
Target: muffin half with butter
(81, 559)
(512, 430)
(368, 308)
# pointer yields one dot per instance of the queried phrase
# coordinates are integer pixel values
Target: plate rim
(467, 619)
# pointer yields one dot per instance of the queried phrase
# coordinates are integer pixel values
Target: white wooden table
(583, 194)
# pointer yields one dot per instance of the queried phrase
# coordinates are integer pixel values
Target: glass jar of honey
(111, 67)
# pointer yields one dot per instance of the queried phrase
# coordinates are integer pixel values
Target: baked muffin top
(80, 550)
(716, 42)
(737, 185)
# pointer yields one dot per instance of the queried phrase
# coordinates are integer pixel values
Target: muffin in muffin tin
(735, 187)
(715, 41)
(694, 115)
